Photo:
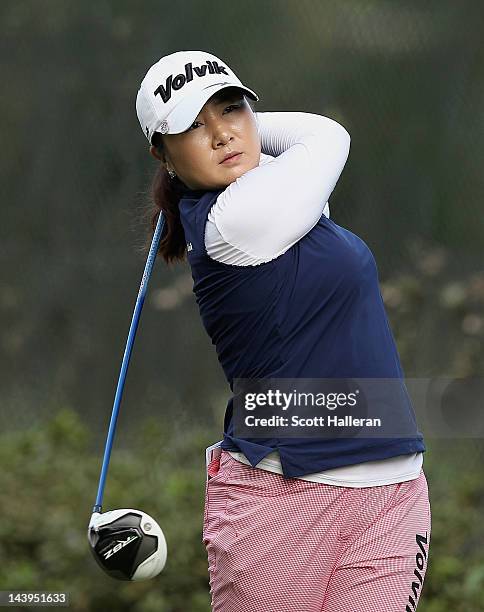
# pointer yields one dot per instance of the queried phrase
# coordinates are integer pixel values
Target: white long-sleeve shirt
(267, 210)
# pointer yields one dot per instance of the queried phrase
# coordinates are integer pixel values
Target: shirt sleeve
(269, 208)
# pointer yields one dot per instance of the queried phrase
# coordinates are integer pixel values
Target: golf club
(127, 544)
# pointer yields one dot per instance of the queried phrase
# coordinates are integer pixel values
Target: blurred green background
(405, 78)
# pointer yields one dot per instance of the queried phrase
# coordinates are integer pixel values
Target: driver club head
(127, 544)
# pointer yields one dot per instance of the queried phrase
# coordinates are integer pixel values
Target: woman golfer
(292, 524)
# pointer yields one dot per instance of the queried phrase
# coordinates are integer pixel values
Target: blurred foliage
(436, 313)
(48, 482)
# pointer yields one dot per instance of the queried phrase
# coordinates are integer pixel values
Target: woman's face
(221, 127)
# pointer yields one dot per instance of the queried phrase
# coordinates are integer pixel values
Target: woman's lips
(234, 159)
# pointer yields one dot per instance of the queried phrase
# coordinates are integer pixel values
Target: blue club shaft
(127, 355)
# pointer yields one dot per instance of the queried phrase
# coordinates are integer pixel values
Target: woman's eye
(228, 108)
(233, 106)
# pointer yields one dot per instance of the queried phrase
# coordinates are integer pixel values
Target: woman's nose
(221, 136)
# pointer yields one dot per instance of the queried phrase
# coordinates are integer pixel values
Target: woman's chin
(239, 171)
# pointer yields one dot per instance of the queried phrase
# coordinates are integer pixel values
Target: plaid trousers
(277, 544)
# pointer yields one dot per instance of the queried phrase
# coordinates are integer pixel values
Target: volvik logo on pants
(420, 559)
(180, 80)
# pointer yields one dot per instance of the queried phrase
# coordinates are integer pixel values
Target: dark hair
(165, 195)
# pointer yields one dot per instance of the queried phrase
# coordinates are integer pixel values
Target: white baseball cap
(175, 89)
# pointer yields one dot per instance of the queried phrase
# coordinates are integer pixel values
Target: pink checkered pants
(279, 544)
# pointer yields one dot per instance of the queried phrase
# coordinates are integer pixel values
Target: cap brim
(185, 113)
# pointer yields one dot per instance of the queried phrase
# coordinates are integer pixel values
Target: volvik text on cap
(176, 87)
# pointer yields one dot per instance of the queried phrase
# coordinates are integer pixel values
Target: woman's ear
(156, 154)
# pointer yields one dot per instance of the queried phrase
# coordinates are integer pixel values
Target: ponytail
(165, 195)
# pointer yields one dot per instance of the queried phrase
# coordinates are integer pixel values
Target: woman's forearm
(279, 131)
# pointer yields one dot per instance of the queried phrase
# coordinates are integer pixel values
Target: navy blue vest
(314, 312)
